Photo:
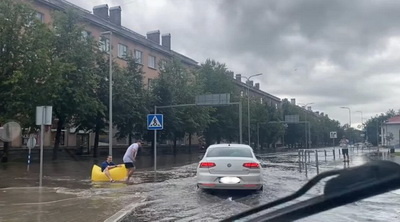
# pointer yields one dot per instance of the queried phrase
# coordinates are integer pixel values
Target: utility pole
(248, 102)
(110, 123)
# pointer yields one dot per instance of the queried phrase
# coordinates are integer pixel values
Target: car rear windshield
(229, 152)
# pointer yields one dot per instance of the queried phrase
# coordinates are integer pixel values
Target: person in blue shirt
(106, 166)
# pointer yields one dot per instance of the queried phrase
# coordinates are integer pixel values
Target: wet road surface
(69, 195)
(179, 200)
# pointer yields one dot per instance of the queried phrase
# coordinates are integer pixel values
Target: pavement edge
(124, 212)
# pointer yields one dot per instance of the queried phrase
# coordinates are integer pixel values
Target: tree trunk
(218, 139)
(4, 157)
(174, 148)
(96, 136)
(57, 140)
(96, 142)
(190, 142)
(130, 139)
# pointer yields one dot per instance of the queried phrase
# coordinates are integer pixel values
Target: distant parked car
(230, 166)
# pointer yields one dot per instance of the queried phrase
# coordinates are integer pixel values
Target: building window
(241, 94)
(122, 51)
(139, 57)
(85, 35)
(152, 62)
(149, 83)
(261, 100)
(104, 44)
(40, 16)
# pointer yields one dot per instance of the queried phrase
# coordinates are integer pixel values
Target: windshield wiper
(349, 185)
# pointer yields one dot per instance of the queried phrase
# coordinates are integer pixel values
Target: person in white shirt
(344, 142)
(130, 158)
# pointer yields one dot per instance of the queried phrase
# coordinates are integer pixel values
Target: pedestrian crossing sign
(155, 121)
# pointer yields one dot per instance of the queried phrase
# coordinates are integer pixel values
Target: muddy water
(69, 195)
(179, 200)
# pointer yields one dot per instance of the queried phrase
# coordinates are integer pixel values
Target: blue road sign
(155, 121)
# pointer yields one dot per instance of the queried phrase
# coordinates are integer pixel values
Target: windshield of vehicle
(229, 152)
(179, 98)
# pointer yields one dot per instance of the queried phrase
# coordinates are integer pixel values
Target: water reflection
(69, 194)
(346, 165)
(76, 174)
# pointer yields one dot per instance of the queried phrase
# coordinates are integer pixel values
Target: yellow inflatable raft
(117, 173)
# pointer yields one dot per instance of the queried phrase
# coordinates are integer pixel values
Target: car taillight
(251, 165)
(207, 164)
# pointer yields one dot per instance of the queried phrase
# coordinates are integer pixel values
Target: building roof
(393, 120)
(120, 30)
(242, 84)
(136, 37)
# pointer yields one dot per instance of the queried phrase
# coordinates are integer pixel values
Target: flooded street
(68, 193)
(179, 200)
(171, 195)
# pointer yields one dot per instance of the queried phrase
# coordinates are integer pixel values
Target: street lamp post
(362, 125)
(248, 102)
(110, 123)
(308, 137)
(362, 119)
(344, 107)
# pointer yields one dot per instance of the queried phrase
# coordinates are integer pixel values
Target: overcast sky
(330, 53)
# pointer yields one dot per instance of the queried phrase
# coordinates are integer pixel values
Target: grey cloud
(287, 40)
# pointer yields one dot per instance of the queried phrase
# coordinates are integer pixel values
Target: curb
(124, 212)
(120, 215)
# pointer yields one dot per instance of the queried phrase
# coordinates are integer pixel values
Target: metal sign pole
(155, 144)
(41, 146)
(30, 144)
(29, 159)
(240, 123)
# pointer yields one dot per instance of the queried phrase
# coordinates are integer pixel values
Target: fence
(308, 158)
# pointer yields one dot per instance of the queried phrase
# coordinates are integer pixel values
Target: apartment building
(255, 91)
(150, 51)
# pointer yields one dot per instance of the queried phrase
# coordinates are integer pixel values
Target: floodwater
(179, 200)
(76, 174)
(68, 193)
(171, 195)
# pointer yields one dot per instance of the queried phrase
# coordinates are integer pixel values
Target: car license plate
(229, 180)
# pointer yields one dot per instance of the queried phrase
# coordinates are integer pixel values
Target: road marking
(120, 215)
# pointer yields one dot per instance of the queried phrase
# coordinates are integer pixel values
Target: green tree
(172, 87)
(24, 57)
(295, 133)
(373, 125)
(215, 79)
(97, 121)
(130, 101)
(73, 62)
(195, 118)
(275, 131)
(320, 127)
(259, 120)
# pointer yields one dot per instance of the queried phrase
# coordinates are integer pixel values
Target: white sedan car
(229, 166)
